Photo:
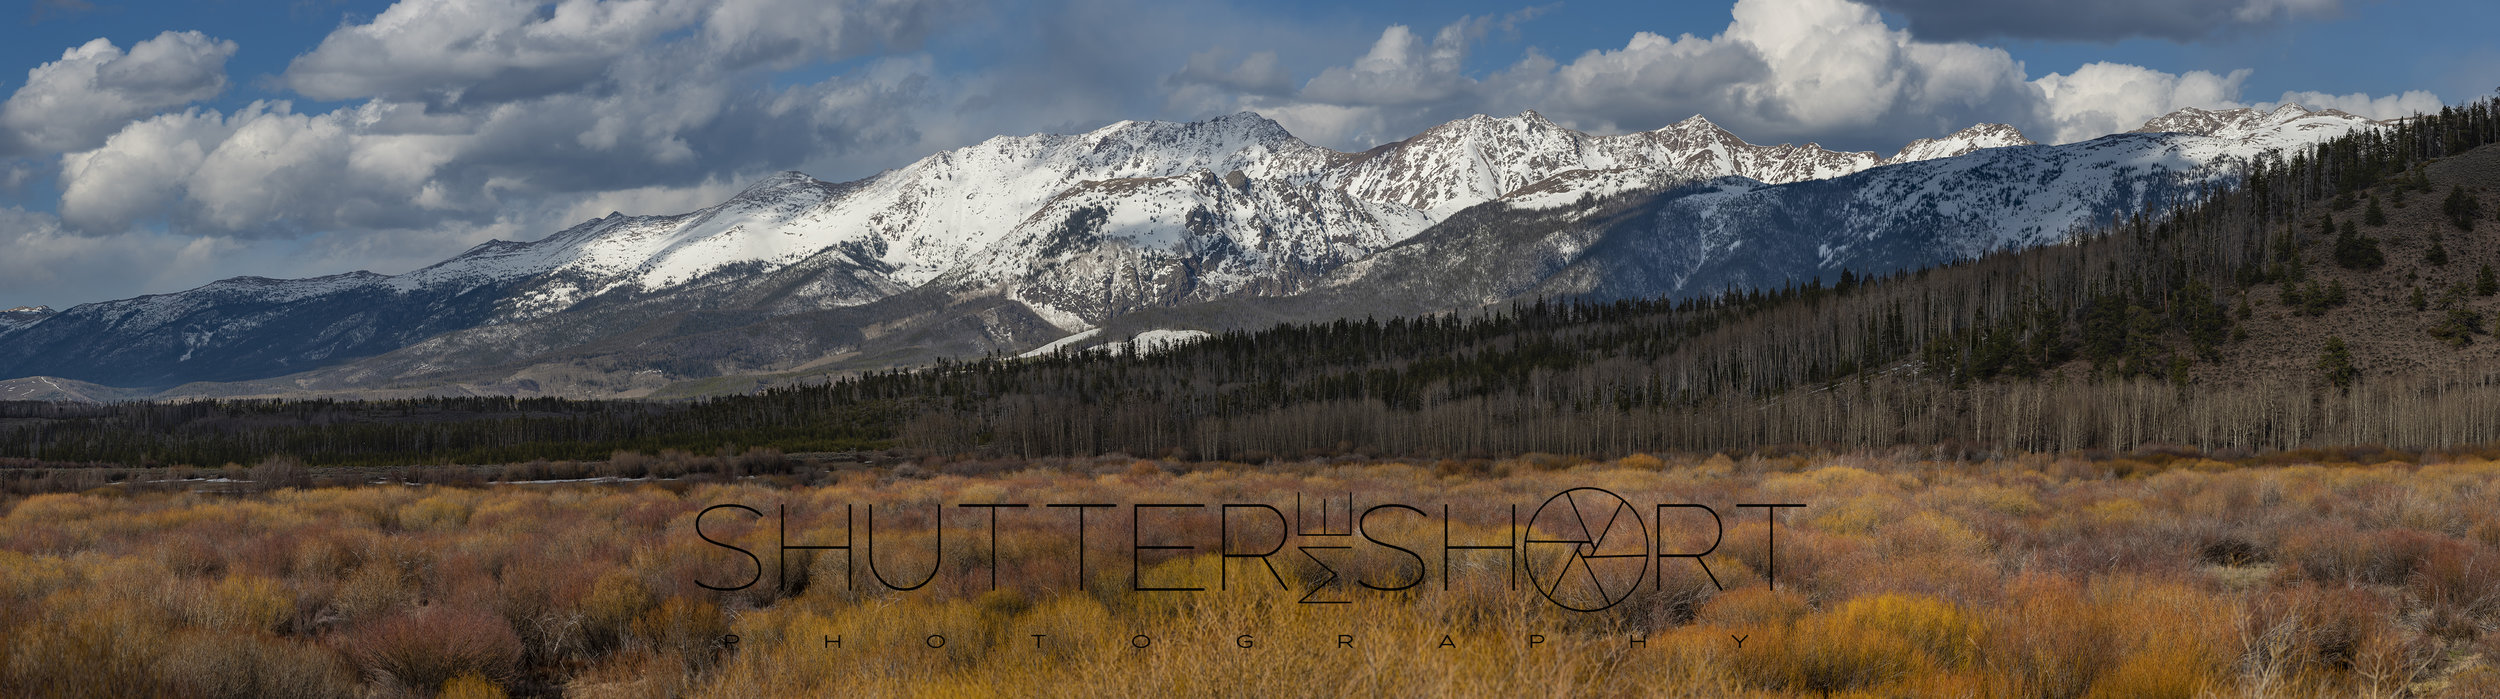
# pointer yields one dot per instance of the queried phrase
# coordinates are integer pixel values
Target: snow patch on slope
(1061, 344)
(1155, 341)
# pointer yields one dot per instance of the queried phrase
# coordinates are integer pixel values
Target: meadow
(2158, 574)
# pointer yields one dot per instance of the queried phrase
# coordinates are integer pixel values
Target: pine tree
(2461, 208)
(2418, 300)
(2459, 327)
(2437, 256)
(2356, 251)
(2336, 363)
(2374, 216)
(2485, 283)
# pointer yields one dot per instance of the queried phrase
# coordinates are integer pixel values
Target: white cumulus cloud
(96, 88)
(2104, 98)
(2381, 107)
(1782, 70)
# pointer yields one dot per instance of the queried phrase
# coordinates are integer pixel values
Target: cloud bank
(1781, 71)
(2096, 20)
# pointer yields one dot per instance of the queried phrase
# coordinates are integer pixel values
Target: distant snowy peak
(2246, 123)
(1467, 162)
(161, 310)
(1701, 149)
(1245, 141)
(1963, 142)
(22, 316)
(1480, 158)
(1114, 246)
(912, 223)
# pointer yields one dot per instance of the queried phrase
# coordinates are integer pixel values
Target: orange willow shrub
(2032, 576)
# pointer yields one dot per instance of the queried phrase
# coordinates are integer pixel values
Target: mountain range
(1071, 240)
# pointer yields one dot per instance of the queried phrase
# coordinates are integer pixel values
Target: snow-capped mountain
(1052, 234)
(1940, 201)
(22, 316)
(1963, 142)
(1109, 247)
(1478, 159)
(2287, 125)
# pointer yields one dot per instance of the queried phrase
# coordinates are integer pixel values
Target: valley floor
(2317, 573)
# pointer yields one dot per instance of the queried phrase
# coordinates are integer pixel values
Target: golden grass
(2029, 576)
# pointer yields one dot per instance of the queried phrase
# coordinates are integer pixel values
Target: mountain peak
(783, 178)
(1253, 124)
(778, 181)
(2238, 122)
(1246, 118)
(1228, 132)
(29, 309)
(1694, 122)
(1972, 138)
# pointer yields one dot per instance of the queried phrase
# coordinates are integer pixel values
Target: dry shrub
(629, 675)
(2317, 638)
(280, 473)
(471, 686)
(428, 646)
(1753, 608)
(2454, 573)
(627, 464)
(2231, 550)
(1790, 557)
(1931, 532)
(195, 554)
(1868, 642)
(2486, 532)
(2049, 640)
(240, 603)
(764, 460)
(1682, 588)
(542, 599)
(608, 612)
(90, 643)
(1858, 515)
(374, 590)
(2339, 554)
(1999, 500)
(250, 665)
(442, 511)
(689, 630)
(2178, 641)
(2151, 675)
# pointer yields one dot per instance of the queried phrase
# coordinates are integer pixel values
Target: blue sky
(148, 147)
